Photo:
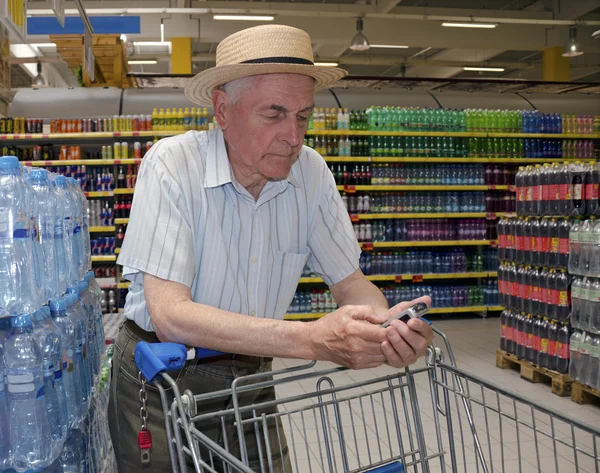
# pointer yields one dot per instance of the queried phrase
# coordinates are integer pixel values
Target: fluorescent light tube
(244, 17)
(469, 25)
(144, 61)
(326, 64)
(484, 69)
(391, 46)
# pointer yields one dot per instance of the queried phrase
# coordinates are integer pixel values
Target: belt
(151, 337)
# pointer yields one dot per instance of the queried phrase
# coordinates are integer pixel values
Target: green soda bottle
(489, 152)
(372, 147)
(451, 147)
(386, 146)
(401, 147)
(379, 147)
(394, 146)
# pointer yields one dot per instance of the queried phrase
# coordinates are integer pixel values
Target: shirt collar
(218, 168)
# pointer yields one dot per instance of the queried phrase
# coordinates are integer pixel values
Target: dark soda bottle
(543, 343)
(564, 227)
(534, 279)
(512, 279)
(519, 240)
(543, 283)
(521, 336)
(553, 194)
(510, 239)
(528, 183)
(527, 242)
(552, 340)
(536, 190)
(592, 183)
(544, 245)
(552, 295)
(564, 191)
(520, 187)
(529, 351)
(503, 329)
(553, 254)
(545, 207)
(521, 286)
(537, 338)
(528, 289)
(502, 225)
(536, 243)
(577, 191)
(511, 332)
(563, 350)
(563, 295)
(501, 283)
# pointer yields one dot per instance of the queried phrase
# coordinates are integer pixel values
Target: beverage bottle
(519, 240)
(554, 251)
(594, 306)
(71, 248)
(56, 408)
(586, 293)
(577, 204)
(536, 243)
(521, 337)
(564, 228)
(521, 288)
(585, 346)
(563, 295)
(29, 428)
(510, 240)
(543, 343)
(592, 182)
(565, 188)
(80, 266)
(85, 230)
(544, 279)
(575, 354)
(553, 206)
(594, 361)
(553, 329)
(587, 236)
(4, 413)
(527, 241)
(529, 336)
(536, 190)
(75, 312)
(17, 285)
(577, 302)
(510, 332)
(534, 278)
(575, 247)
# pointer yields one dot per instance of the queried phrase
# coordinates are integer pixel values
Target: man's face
(265, 127)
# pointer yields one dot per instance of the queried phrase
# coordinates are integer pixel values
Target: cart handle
(153, 359)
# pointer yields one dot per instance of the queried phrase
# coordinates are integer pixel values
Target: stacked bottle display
(53, 368)
(584, 265)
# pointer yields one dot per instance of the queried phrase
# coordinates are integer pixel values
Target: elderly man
(222, 224)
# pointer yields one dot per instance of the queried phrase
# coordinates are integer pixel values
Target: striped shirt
(191, 222)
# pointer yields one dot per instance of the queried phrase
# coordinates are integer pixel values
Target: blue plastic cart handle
(395, 467)
(153, 359)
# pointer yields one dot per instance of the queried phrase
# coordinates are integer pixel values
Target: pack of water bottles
(424, 230)
(53, 368)
(585, 358)
(445, 296)
(584, 248)
(569, 189)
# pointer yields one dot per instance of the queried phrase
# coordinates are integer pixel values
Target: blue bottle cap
(83, 286)
(37, 315)
(45, 311)
(21, 321)
(73, 289)
(89, 276)
(9, 163)
(70, 300)
(38, 175)
(57, 305)
(71, 181)
(60, 181)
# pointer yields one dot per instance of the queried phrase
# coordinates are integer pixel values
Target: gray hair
(235, 88)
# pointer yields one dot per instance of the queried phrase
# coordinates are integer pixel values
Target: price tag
(494, 244)
(398, 278)
(117, 161)
(47, 163)
(27, 163)
(117, 134)
(368, 246)
(354, 218)
(87, 194)
(17, 137)
(28, 137)
(45, 135)
(3, 137)
(137, 161)
(417, 278)
(492, 188)
(491, 216)
(512, 188)
(350, 189)
(135, 133)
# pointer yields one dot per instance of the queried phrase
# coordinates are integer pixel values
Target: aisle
(474, 343)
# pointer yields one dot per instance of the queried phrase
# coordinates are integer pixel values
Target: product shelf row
(434, 310)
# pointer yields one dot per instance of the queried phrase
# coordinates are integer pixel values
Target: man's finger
(415, 340)
(422, 327)
(398, 308)
(391, 356)
(404, 350)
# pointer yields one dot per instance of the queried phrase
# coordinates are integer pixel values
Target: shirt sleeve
(334, 251)
(159, 238)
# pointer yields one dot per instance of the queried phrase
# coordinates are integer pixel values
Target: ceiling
(434, 51)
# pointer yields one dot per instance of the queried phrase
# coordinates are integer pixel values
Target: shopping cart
(430, 419)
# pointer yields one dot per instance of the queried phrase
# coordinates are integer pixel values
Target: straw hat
(267, 49)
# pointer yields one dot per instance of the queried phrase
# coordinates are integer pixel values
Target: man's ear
(220, 104)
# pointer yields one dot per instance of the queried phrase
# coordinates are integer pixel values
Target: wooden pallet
(583, 394)
(561, 383)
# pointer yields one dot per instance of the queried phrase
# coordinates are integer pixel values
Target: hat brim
(199, 88)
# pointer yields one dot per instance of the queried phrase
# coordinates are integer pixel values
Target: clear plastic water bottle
(72, 380)
(69, 457)
(71, 249)
(585, 346)
(29, 427)
(17, 294)
(45, 214)
(85, 229)
(56, 418)
(78, 238)
(575, 355)
(91, 343)
(594, 370)
(4, 415)
(75, 312)
(62, 253)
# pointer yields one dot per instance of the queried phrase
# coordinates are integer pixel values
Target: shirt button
(252, 313)
(253, 260)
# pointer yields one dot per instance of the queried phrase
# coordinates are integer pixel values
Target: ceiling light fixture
(360, 41)
(326, 64)
(162, 31)
(143, 61)
(390, 46)
(452, 24)
(43, 45)
(244, 17)
(572, 48)
(152, 43)
(39, 81)
(484, 69)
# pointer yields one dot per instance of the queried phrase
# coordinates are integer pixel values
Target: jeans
(200, 377)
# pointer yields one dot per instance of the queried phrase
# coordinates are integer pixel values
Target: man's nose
(293, 133)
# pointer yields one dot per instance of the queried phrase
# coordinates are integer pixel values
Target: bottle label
(577, 191)
(521, 194)
(536, 343)
(529, 340)
(68, 364)
(563, 246)
(46, 229)
(554, 297)
(543, 295)
(543, 345)
(536, 193)
(591, 191)
(48, 368)
(545, 193)
(21, 229)
(593, 295)
(503, 331)
(510, 241)
(20, 383)
(528, 292)
(546, 245)
(528, 193)
(521, 291)
(564, 192)
(520, 242)
(58, 228)
(58, 375)
(595, 351)
(514, 291)
(535, 244)
(563, 298)
(535, 293)
(552, 347)
(574, 236)
(555, 245)
(527, 243)
(584, 347)
(563, 350)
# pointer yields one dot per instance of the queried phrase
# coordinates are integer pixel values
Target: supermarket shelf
(424, 159)
(88, 136)
(103, 258)
(117, 251)
(410, 244)
(435, 310)
(348, 159)
(123, 285)
(416, 277)
(351, 188)
(124, 191)
(121, 221)
(100, 194)
(83, 162)
(488, 215)
(457, 134)
(102, 229)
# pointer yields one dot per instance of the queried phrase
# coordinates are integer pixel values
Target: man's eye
(302, 119)
(273, 117)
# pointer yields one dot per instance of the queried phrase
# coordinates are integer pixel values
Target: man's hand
(350, 337)
(406, 342)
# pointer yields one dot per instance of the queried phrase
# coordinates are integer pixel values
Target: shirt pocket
(287, 269)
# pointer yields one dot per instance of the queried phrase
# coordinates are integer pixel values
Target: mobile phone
(414, 312)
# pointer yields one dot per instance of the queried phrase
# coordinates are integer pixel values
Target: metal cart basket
(430, 419)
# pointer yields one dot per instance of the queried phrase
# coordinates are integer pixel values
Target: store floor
(474, 342)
